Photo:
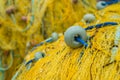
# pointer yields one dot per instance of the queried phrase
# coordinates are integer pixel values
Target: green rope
(2, 77)
(12, 15)
(4, 69)
(32, 17)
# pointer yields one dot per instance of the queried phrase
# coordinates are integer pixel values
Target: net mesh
(28, 22)
(99, 61)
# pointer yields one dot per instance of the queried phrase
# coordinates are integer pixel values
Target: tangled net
(99, 61)
(25, 23)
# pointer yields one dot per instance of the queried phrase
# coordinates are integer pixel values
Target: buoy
(38, 55)
(71, 33)
(54, 36)
(101, 4)
(89, 18)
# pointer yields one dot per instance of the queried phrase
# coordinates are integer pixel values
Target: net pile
(99, 61)
(26, 23)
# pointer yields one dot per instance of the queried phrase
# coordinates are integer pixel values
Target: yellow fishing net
(24, 23)
(99, 61)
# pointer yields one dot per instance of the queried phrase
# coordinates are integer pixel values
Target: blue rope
(112, 2)
(41, 43)
(49, 40)
(30, 61)
(101, 25)
(78, 39)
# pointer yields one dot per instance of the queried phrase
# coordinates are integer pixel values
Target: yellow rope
(93, 63)
(28, 22)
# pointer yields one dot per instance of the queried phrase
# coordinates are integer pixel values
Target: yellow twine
(64, 63)
(49, 16)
